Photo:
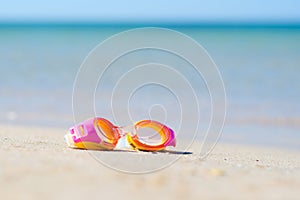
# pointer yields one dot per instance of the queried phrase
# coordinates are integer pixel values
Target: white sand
(36, 164)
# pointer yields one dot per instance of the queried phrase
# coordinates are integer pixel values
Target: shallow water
(260, 68)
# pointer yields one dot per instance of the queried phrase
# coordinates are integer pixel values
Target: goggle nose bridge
(124, 130)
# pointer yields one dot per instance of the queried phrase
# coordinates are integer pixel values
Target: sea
(259, 65)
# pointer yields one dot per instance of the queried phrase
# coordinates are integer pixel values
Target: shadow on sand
(152, 152)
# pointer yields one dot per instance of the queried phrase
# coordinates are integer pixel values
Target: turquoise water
(260, 68)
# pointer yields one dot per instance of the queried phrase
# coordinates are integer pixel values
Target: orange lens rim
(167, 136)
(108, 130)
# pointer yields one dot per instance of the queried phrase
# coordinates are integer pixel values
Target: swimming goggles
(101, 134)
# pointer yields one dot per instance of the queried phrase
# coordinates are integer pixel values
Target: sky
(150, 11)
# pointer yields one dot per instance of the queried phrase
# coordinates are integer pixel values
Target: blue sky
(151, 11)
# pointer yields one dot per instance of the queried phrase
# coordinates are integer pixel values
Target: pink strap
(85, 132)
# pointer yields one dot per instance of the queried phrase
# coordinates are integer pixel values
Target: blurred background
(255, 44)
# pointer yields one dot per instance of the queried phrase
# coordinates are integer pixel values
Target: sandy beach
(36, 164)
(202, 68)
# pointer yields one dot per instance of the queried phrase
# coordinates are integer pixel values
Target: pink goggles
(101, 134)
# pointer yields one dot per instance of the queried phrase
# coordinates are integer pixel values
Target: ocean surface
(260, 67)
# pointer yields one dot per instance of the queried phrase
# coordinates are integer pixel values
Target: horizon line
(204, 24)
